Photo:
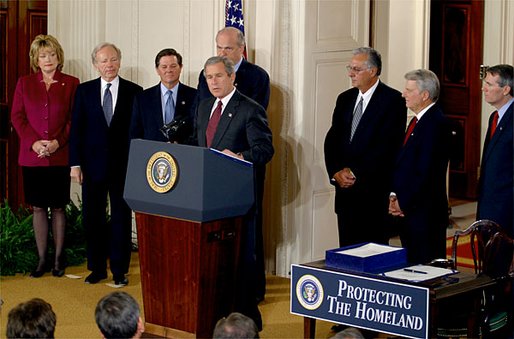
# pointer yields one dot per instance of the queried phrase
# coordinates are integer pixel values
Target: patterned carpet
(462, 215)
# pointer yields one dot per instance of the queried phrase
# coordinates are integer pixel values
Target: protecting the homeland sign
(363, 302)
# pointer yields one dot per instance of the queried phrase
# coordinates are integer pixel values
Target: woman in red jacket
(41, 113)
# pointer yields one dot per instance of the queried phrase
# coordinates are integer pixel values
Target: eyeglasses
(352, 69)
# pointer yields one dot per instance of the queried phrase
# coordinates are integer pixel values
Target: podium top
(208, 185)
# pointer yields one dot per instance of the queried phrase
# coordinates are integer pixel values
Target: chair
(492, 251)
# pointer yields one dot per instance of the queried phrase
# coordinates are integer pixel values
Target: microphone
(171, 129)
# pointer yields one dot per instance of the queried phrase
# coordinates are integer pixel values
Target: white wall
(304, 45)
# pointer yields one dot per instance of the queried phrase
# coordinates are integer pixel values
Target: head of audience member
(220, 75)
(230, 43)
(497, 86)
(421, 89)
(46, 54)
(168, 64)
(117, 315)
(236, 325)
(348, 333)
(364, 68)
(106, 58)
(32, 319)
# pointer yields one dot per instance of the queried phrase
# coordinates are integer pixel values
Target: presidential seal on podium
(161, 172)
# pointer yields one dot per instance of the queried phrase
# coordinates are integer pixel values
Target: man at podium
(236, 125)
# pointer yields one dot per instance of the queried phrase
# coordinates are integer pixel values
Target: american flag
(234, 14)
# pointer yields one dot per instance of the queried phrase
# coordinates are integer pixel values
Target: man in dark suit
(418, 195)
(99, 144)
(236, 125)
(360, 149)
(252, 81)
(496, 186)
(151, 106)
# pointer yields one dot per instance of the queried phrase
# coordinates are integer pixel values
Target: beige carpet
(74, 302)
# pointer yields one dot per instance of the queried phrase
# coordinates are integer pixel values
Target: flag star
(233, 20)
(229, 3)
(241, 22)
(236, 7)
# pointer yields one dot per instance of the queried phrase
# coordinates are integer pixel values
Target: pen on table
(414, 271)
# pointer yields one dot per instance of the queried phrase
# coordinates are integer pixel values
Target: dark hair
(229, 65)
(504, 71)
(117, 315)
(374, 57)
(236, 325)
(32, 319)
(168, 52)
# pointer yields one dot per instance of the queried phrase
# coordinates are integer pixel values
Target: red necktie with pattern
(412, 124)
(213, 124)
(494, 124)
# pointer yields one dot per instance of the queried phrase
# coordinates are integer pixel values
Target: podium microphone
(171, 129)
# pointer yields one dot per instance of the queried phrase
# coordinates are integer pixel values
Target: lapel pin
(230, 115)
(183, 102)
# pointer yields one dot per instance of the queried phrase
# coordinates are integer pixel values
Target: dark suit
(362, 208)
(147, 114)
(243, 128)
(420, 185)
(251, 80)
(496, 185)
(101, 151)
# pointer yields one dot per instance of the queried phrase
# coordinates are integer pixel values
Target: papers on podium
(419, 273)
(231, 157)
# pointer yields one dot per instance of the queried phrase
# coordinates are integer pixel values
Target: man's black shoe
(120, 280)
(95, 277)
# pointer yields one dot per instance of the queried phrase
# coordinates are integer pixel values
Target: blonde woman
(41, 114)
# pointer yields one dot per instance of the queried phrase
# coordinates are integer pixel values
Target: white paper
(231, 156)
(419, 273)
(369, 250)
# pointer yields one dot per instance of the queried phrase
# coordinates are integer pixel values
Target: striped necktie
(357, 115)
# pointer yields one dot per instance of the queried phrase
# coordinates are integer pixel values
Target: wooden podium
(188, 235)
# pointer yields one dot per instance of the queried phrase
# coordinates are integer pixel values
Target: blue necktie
(169, 109)
(107, 104)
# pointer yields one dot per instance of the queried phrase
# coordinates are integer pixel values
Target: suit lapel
(505, 123)
(417, 131)
(204, 113)
(228, 114)
(156, 102)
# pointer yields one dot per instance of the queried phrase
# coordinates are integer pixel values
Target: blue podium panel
(360, 301)
(187, 182)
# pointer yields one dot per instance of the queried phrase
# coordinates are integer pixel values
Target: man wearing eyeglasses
(367, 132)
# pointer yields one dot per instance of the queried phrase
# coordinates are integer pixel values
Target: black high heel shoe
(58, 270)
(40, 270)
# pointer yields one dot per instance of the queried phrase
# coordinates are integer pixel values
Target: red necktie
(213, 124)
(494, 124)
(412, 124)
